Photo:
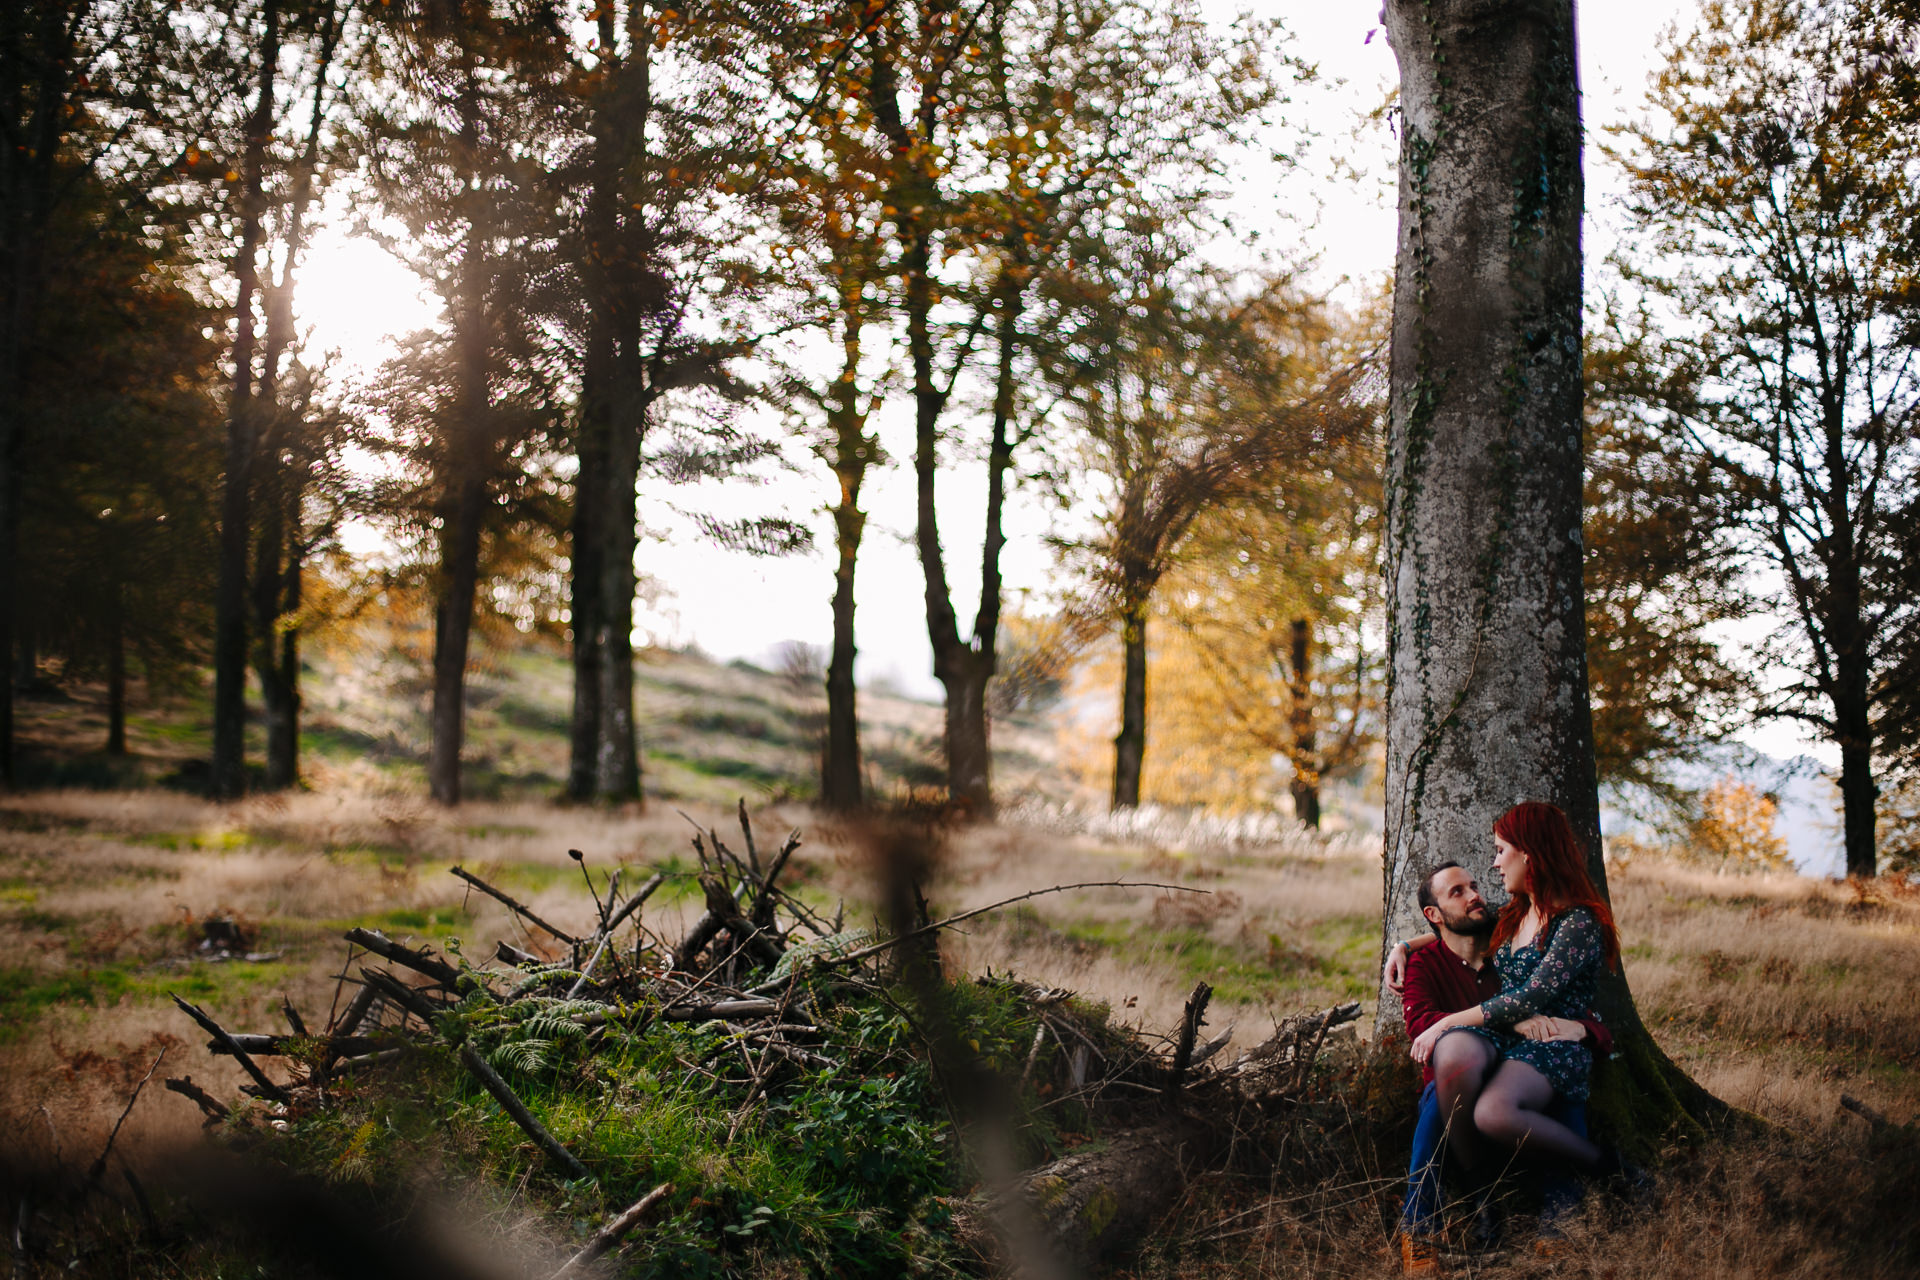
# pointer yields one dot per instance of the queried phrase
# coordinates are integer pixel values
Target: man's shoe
(1418, 1257)
(1487, 1224)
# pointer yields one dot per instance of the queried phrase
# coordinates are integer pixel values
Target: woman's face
(1511, 866)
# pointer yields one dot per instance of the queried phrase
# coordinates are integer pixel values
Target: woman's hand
(1541, 1027)
(1396, 975)
(1424, 1042)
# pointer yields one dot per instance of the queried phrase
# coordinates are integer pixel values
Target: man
(1443, 977)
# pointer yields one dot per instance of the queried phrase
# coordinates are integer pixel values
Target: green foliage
(837, 1171)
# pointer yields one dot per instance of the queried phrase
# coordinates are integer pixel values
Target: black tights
(1507, 1103)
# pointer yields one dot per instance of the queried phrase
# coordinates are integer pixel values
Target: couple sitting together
(1499, 1009)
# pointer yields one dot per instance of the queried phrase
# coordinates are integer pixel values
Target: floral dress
(1553, 975)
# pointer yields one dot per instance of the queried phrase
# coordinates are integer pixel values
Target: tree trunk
(590, 447)
(282, 484)
(452, 632)
(117, 676)
(26, 653)
(1858, 791)
(279, 671)
(605, 761)
(1306, 748)
(617, 760)
(1487, 693)
(841, 785)
(229, 776)
(1130, 744)
(27, 197)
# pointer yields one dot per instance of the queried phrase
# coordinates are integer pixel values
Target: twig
(294, 1020)
(1196, 1013)
(599, 907)
(609, 1235)
(633, 904)
(514, 904)
(586, 970)
(861, 954)
(510, 1103)
(100, 1166)
(753, 856)
(211, 1107)
(218, 1032)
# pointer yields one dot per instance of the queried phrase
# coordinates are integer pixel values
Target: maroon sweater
(1439, 983)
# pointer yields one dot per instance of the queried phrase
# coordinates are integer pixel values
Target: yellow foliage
(1735, 830)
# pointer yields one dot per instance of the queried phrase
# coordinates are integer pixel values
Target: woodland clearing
(1778, 993)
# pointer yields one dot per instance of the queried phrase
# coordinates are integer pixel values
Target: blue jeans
(1560, 1188)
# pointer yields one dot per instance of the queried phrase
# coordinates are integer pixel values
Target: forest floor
(1779, 994)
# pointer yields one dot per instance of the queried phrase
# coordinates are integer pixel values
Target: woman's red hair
(1557, 871)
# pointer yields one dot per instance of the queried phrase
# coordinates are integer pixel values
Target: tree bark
(468, 458)
(453, 631)
(27, 197)
(1305, 787)
(605, 759)
(1487, 692)
(590, 447)
(229, 772)
(117, 676)
(1130, 744)
(841, 784)
(617, 760)
(283, 479)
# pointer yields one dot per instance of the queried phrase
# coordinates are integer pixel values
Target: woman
(1551, 939)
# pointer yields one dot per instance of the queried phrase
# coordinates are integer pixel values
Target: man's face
(1460, 907)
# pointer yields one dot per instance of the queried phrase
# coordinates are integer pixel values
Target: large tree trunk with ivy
(1487, 693)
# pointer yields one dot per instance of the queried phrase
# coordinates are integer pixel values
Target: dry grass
(1777, 993)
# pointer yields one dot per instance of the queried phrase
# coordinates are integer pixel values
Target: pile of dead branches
(765, 968)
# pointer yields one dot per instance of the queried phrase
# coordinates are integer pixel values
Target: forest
(309, 653)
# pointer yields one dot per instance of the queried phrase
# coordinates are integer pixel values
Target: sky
(732, 605)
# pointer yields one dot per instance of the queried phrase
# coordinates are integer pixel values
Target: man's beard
(1467, 926)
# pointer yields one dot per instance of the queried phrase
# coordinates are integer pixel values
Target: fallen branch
(1872, 1116)
(608, 1236)
(418, 961)
(272, 1046)
(510, 1103)
(211, 1107)
(514, 905)
(401, 994)
(220, 1033)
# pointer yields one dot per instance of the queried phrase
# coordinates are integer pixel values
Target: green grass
(26, 997)
(836, 1171)
(1336, 952)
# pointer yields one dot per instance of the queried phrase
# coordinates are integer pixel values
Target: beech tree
(459, 154)
(1487, 672)
(662, 295)
(1773, 200)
